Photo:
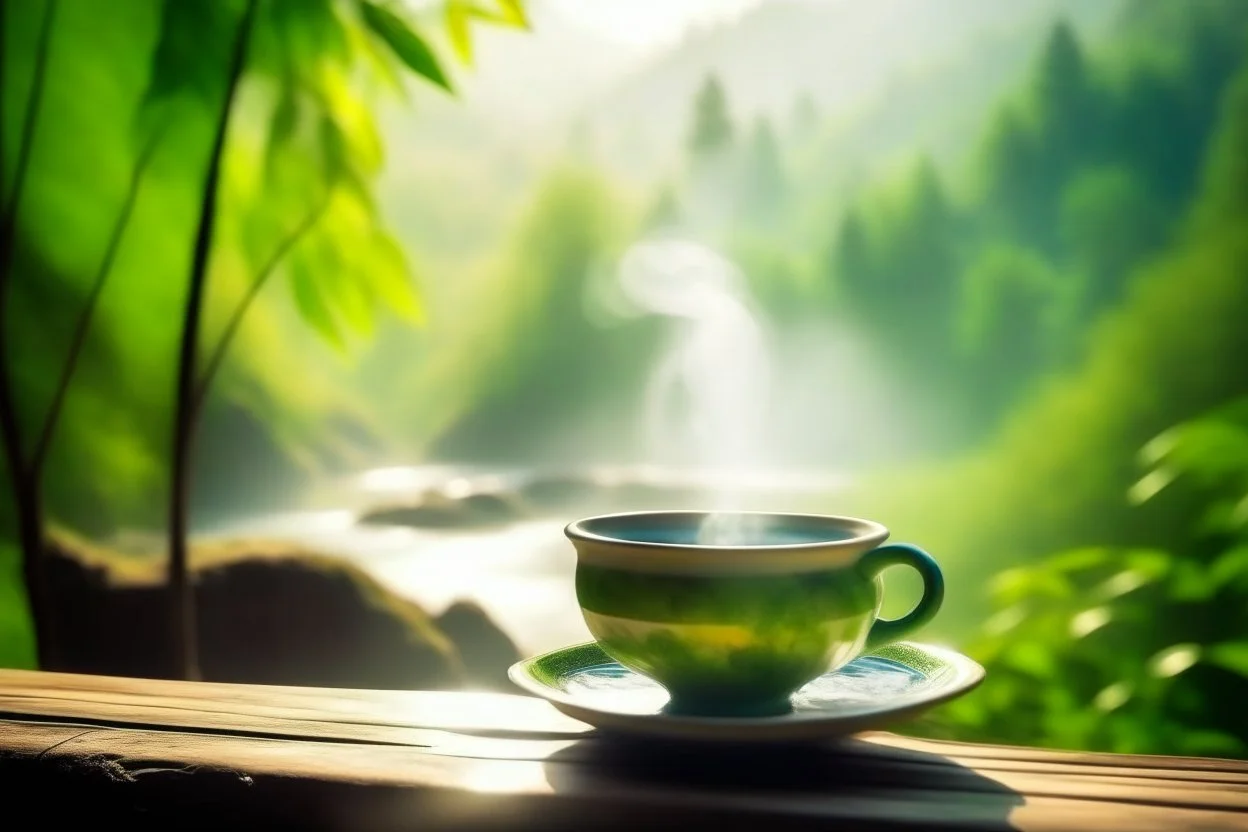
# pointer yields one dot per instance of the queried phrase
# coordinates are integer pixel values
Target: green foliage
(460, 14)
(712, 130)
(1084, 177)
(303, 147)
(1129, 650)
(1110, 223)
(895, 269)
(1012, 315)
(408, 46)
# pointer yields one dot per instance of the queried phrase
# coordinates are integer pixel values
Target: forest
(1018, 332)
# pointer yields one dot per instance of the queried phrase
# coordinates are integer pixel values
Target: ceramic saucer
(890, 684)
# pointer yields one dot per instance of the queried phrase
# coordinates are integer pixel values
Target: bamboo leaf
(408, 46)
(391, 279)
(282, 127)
(312, 307)
(457, 28)
(506, 13)
(513, 13)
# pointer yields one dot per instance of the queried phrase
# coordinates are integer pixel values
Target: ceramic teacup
(733, 612)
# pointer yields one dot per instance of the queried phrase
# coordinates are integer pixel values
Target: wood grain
(155, 753)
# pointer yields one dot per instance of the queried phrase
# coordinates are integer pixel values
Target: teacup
(734, 612)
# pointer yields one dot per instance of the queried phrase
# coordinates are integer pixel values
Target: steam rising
(707, 400)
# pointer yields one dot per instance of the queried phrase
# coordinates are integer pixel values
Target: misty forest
(320, 318)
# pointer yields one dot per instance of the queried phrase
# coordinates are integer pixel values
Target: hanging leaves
(408, 46)
(459, 14)
(315, 77)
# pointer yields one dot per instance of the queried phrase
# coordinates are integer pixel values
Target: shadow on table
(848, 785)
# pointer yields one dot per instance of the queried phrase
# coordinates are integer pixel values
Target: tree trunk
(28, 511)
(28, 501)
(26, 495)
(184, 641)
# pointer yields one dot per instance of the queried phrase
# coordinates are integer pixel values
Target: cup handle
(903, 554)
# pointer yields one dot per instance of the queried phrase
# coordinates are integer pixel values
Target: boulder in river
(268, 613)
(487, 651)
(435, 510)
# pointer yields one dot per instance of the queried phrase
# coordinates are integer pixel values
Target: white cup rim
(861, 533)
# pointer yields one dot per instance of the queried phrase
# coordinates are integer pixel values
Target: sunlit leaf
(355, 129)
(350, 298)
(1174, 660)
(1113, 697)
(1151, 484)
(312, 307)
(502, 12)
(340, 280)
(408, 46)
(1211, 448)
(1122, 583)
(457, 28)
(513, 13)
(1232, 656)
(1089, 621)
(390, 278)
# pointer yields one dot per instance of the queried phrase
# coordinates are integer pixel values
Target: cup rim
(864, 532)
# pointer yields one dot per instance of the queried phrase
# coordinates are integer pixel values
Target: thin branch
(236, 318)
(83, 324)
(33, 105)
(25, 494)
(4, 29)
(182, 630)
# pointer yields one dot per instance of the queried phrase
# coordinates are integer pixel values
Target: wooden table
(176, 755)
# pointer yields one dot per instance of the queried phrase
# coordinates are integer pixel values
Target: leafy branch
(213, 365)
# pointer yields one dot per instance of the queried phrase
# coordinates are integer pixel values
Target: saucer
(890, 684)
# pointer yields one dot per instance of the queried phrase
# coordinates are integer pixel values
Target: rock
(267, 615)
(487, 652)
(553, 493)
(435, 510)
(314, 621)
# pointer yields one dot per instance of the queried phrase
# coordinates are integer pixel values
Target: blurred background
(368, 300)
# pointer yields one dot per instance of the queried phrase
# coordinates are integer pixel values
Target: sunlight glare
(506, 776)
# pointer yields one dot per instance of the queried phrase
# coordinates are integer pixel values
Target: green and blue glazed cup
(733, 612)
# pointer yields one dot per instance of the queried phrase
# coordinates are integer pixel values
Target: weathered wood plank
(460, 711)
(302, 781)
(148, 751)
